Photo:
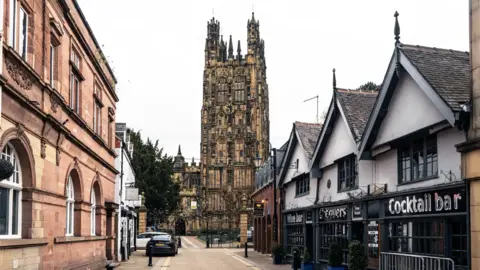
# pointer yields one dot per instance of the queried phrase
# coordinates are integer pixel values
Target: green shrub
(306, 256)
(357, 258)
(335, 255)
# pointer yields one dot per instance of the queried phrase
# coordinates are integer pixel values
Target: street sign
(131, 194)
(258, 209)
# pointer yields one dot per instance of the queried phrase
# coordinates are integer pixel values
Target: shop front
(432, 223)
(294, 231)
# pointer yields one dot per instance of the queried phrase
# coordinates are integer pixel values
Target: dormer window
(418, 160)
(347, 173)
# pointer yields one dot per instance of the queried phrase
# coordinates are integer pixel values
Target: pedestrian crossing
(189, 244)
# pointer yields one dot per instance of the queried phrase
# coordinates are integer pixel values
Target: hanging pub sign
(447, 201)
(293, 218)
(333, 213)
(309, 218)
(258, 209)
(357, 210)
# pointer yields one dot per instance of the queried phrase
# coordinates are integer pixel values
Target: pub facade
(387, 170)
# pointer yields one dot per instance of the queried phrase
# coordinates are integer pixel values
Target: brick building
(263, 225)
(58, 112)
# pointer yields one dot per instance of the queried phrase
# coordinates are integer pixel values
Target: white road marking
(248, 263)
(190, 243)
(166, 264)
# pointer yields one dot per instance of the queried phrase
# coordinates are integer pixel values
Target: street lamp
(274, 163)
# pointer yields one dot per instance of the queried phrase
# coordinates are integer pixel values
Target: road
(194, 255)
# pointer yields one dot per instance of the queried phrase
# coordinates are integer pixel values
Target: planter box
(307, 266)
(277, 259)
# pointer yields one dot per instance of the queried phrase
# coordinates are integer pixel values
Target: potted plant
(307, 263)
(335, 257)
(277, 254)
(357, 258)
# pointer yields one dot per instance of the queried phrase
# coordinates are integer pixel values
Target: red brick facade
(263, 226)
(59, 130)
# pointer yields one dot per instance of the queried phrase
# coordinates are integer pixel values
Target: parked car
(143, 238)
(163, 244)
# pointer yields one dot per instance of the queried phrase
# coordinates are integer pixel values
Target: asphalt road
(192, 255)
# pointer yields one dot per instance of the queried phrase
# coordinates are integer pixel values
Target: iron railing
(400, 261)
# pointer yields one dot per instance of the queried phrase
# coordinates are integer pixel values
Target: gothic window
(222, 97)
(239, 118)
(93, 212)
(239, 95)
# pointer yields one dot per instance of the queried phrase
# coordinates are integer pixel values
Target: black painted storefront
(423, 221)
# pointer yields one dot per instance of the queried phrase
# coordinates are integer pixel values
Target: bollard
(208, 243)
(150, 247)
(296, 263)
(179, 242)
(246, 249)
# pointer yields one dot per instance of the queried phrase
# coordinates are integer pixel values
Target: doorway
(180, 228)
(358, 231)
(309, 238)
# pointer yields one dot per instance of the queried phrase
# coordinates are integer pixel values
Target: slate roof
(447, 71)
(357, 106)
(308, 133)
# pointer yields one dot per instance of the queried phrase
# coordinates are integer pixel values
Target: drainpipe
(121, 199)
(469, 237)
(2, 4)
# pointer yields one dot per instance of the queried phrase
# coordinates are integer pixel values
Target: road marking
(190, 243)
(166, 263)
(248, 263)
(184, 243)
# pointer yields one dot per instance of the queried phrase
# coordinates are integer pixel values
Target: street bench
(111, 265)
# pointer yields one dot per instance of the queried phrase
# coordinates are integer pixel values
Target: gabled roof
(306, 134)
(355, 106)
(443, 75)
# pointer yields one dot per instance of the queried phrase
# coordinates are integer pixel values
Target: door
(142, 240)
(309, 239)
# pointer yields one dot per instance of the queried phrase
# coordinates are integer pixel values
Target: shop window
(418, 160)
(347, 173)
(332, 233)
(459, 243)
(295, 237)
(417, 237)
(302, 185)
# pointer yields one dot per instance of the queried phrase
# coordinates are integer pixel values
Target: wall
(335, 150)
(290, 200)
(407, 104)
(386, 166)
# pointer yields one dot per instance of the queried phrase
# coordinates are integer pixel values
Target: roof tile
(308, 133)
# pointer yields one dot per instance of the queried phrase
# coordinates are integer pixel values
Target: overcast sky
(156, 50)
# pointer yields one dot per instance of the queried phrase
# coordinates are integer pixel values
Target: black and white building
(385, 165)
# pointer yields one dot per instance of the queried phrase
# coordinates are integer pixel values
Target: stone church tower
(235, 121)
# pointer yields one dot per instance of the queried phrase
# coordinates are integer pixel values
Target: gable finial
(179, 151)
(334, 80)
(396, 30)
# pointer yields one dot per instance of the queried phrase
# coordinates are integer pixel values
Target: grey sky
(156, 50)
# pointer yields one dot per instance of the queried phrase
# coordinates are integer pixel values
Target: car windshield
(162, 237)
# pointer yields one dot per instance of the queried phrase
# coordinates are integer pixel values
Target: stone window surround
(17, 138)
(12, 37)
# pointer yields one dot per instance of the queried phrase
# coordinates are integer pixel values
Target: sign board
(294, 218)
(131, 194)
(193, 205)
(357, 211)
(309, 217)
(333, 213)
(446, 201)
(258, 209)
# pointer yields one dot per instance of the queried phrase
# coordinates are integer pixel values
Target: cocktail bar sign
(427, 203)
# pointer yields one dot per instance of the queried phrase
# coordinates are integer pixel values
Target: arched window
(11, 197)
(70, 205)
(93, 213)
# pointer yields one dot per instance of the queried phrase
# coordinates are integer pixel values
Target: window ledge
(302, 195)
(347, 189)
(73, 239)
(17, 243)
(417, 180)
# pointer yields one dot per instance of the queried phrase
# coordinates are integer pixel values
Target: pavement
(194, 255)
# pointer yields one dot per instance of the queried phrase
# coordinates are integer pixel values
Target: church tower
(235, 118)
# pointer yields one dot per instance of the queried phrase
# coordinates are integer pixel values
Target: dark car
(162, 244)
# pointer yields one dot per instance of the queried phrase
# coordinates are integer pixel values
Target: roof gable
(442, 74)
(354, 107)
(306, 135)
